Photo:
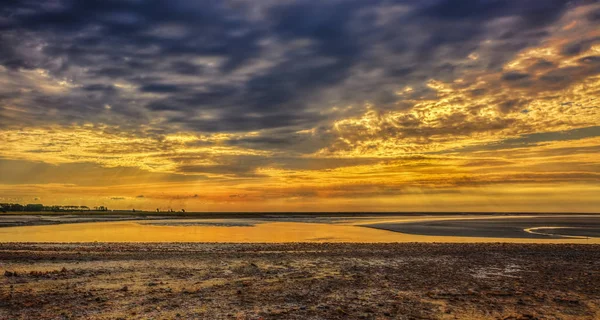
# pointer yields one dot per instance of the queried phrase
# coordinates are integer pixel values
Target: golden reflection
(265, 232)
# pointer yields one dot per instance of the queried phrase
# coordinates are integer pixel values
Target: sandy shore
(548, 227)
(23, 220)
(299, 281)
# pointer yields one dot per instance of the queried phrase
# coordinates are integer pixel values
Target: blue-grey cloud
(514, 76)
(244, 66)
(539, 138)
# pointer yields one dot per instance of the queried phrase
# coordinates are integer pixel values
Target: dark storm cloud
(514, 76)
(458, 27)
(535, 139)
(591, 60)
(557, 79)
(531, 13)
(243, 66)
(594, 16)
(160, 88)
(580, 46)
(99, 87)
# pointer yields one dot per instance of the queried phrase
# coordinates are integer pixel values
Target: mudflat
(534, 227)
(275, 228)
(299, 281)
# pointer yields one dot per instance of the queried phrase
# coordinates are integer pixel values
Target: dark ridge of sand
(22, 220)
(567, 226)
(299, 281)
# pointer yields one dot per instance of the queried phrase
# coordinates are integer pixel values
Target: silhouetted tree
(34, 207)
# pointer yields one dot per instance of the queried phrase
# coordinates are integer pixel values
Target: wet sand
(540, 227)
(299, 281)
(295, 228)
(224, 232)
(22, 220)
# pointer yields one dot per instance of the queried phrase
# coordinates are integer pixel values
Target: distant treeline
(34, 207)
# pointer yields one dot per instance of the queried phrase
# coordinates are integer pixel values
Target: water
(291, 230)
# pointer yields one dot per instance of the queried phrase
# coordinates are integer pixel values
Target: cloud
(514, 76)
(13, 172)
(339, 99)
(160, 88)
(247, 66)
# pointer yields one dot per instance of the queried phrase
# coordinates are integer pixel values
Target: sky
(292, 105)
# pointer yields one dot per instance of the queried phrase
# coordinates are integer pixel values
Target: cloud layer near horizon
(300, 105)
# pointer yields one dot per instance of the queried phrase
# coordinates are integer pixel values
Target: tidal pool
(386, 229)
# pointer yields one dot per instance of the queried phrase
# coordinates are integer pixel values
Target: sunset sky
(416, 105)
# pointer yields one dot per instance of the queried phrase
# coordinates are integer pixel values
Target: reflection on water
(239, 231)
(557, 231)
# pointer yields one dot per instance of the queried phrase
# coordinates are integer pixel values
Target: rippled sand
(299, 281)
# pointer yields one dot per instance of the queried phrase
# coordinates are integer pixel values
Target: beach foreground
(299, 281)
